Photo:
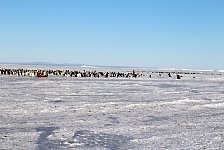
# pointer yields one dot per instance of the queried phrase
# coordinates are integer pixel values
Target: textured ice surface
(89, 139)
(87, 113)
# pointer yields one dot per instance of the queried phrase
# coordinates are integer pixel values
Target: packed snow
(112, 113)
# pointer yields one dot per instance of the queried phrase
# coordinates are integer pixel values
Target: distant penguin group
(68, 73)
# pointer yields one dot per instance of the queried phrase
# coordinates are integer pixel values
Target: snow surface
(89, 113)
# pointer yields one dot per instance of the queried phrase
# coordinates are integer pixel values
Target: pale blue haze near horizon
(141, 33)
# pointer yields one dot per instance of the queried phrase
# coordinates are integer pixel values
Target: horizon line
(106, 66)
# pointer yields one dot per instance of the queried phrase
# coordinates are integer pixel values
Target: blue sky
(143, 33)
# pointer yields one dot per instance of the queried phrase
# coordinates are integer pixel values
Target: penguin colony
(67, 73)
(95, 74)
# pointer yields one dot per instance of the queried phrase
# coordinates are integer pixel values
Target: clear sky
(143, 33)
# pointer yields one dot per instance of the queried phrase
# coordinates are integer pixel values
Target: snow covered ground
(91, 113)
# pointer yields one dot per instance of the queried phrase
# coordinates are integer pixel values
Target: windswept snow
(89, 113)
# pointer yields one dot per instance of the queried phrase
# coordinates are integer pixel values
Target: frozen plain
(91, 113)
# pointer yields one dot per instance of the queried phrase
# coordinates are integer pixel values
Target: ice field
(112, 113)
